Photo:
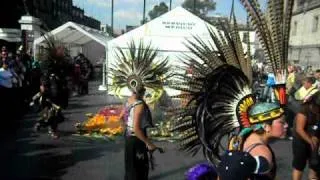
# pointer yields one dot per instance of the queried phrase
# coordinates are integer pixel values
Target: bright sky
(129, 12)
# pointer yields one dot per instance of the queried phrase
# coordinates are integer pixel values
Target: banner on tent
(178, 25)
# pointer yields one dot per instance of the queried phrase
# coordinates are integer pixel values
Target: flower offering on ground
(106, 122)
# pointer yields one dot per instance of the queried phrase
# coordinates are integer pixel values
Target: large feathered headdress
(136, 68)
(273, 30)
(52, 56)
(217, 85)
(220, 100)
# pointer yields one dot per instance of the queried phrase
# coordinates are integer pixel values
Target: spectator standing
(85, 71)
(291, 79)
(306, 90)
(19, 69)
(4, 56)
(6, 76)
(268, 95)
(305, 142)
(7, 107)
(317, 76)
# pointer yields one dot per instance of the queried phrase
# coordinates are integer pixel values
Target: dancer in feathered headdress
(53, 87)
(55, 69)
(137, 70)
(221, 103)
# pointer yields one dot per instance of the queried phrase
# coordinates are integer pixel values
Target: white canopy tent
(78, 38)
(168, 34)
(10, 35)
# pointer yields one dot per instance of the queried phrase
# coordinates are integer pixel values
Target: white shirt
(130, 122)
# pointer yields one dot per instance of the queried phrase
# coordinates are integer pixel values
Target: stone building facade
(52, 13)
(304, 43)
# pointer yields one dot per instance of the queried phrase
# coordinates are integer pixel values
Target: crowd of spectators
(17, 77)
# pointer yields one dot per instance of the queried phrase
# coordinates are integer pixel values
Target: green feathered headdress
(137, 67)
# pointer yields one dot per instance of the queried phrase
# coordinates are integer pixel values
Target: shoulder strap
(252, 146)
(134, 104)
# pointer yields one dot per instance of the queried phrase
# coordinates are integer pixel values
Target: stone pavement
(26, 155)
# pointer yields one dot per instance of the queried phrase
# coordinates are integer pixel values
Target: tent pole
(106, 66)
(194, 6)
(106, 75)
(144, 12)
(112, 6)
(103, 86)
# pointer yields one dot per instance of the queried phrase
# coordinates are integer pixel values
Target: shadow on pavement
(44, 158)
(26, 155)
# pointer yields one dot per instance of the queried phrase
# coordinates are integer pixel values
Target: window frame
(315, 23)
(295, 28)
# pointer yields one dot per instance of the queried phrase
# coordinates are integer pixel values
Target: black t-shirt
(312, 126)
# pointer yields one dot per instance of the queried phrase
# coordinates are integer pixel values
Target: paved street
(30, 156)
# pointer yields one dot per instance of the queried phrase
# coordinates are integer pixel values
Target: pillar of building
(30, 28)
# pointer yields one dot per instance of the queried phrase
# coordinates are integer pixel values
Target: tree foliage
(158, 10)
(202, 7)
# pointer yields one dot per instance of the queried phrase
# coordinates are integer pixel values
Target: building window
(290, 51)
(315, 24)
(295, 26)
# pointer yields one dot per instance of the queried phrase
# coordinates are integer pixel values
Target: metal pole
(194, 6)
(112, 4)
(232, 10)
(170, 5)
(144, 11)
(106, 66)
(104, 85)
